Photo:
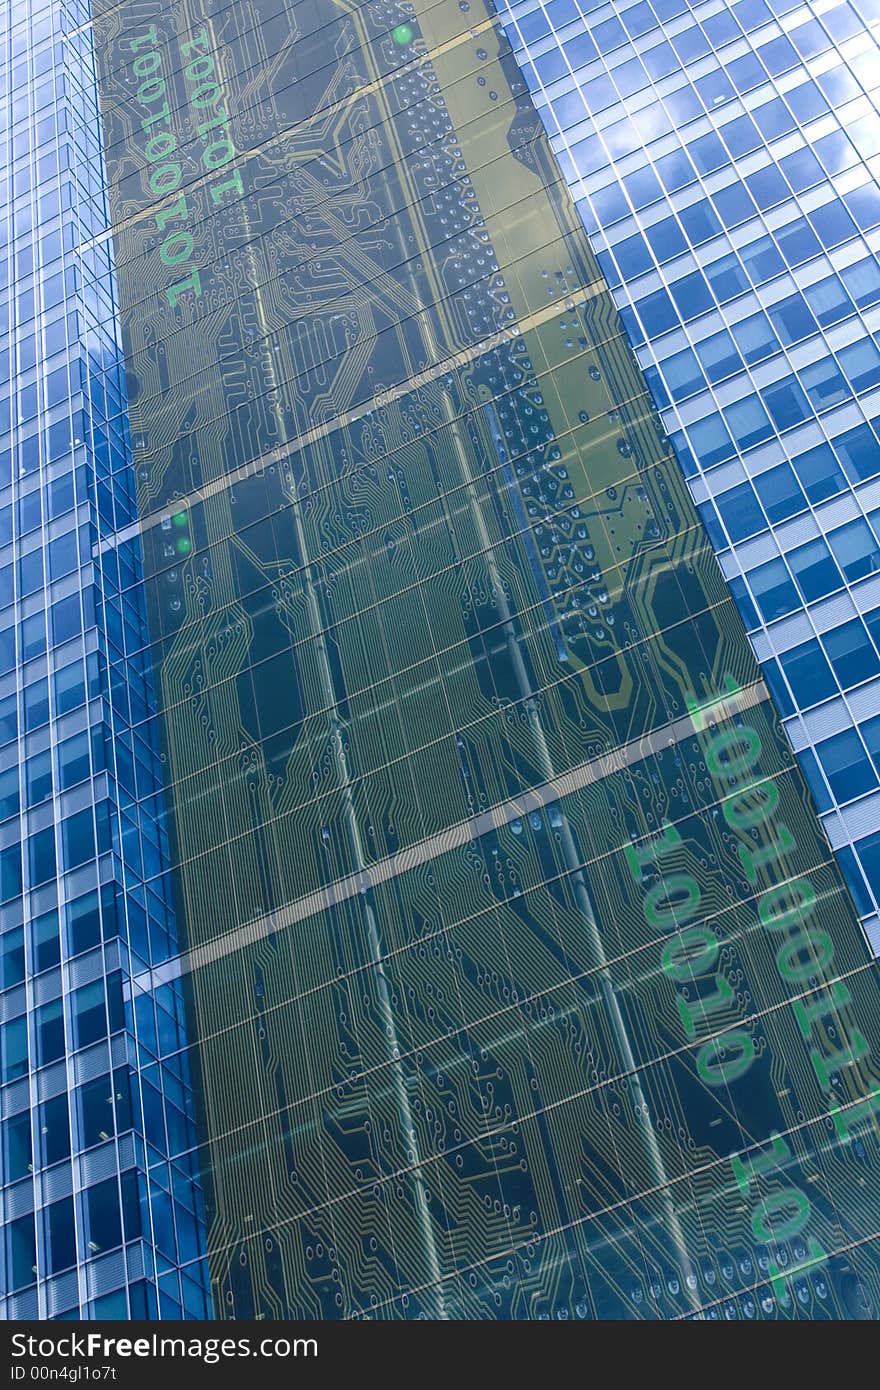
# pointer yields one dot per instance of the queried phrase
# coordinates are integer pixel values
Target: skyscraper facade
(95, 1218)
(725, 160)
(477, 949)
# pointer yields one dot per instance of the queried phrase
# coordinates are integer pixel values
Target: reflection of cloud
(651, 122)
(621, 139)
(865, 135)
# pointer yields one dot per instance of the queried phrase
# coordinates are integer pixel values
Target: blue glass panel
(740, 512)
(774, 591)
(847, 766)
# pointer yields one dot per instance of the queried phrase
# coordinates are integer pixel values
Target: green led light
(179, 518)
(402, 34)
(184, 546)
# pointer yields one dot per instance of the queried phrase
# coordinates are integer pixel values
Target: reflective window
(847, 766)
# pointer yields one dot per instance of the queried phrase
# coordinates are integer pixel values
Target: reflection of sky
(585, 74)
(622, 139)
(727, 166)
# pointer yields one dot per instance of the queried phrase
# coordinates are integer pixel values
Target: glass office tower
(725, 160)
(95, 1217)
(503, 967)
